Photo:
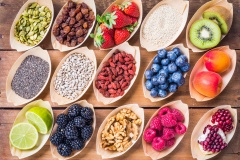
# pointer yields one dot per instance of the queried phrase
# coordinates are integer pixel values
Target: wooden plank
(231, 95)
(12, 7)
(182, 152)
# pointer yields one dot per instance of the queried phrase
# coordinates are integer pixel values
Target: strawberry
(115, 7)
(131, 9)
(121, 35)
(134, 20)
(107, 30)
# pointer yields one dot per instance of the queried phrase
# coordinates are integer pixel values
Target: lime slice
(23, 136)
(41, 118)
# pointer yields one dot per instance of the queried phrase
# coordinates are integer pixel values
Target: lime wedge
(41, 118)
(23, 136)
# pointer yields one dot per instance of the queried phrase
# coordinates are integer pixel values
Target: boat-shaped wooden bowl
(18, 45)
(57, 98)
(147, 148)
(146, 92)
(139, 4)
(42, 138)
(202, 123)
(111, 154)
(182, 7)
(12, 97)
(134, 50)
(54, 151)
(198, 15)
(226, 76)
(62, 47)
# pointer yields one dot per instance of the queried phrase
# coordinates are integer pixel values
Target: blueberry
(181, 82)
(162, 93)
(154, 80)
(181, 61)
(171, 55)
(156, 60)
(169, 80)
(154, 92)
(186, 67)
(165, 61)
(149, 85)
(176, 51)
(172, 87)
(162, 53)
(161, 80)
(148, 74)
(172, 67)
(163, 73)
(155, 68)
(163, 86)
(165, 68)
(176, 77)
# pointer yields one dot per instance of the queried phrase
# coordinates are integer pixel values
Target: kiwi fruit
(219, 15)
(205, 34)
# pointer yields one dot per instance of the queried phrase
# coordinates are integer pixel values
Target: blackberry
(79, 121)
(56, 139)
(89, 121)
(86, 132)
(62, 120)
(71, 131)
(87, 113)
(67, 141)
(64, 150)
(74, 110)
(77, 144)
(61, 130)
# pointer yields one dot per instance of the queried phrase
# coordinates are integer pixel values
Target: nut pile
(116, 74)
(74, 75)
(32, 24)
(73, 24)
(120, 131)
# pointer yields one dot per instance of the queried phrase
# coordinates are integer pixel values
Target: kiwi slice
(219, 15)
(205, 34)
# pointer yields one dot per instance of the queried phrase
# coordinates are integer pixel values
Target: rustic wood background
(230, 96)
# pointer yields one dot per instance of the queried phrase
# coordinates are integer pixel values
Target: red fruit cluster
(164, 127)
(223, 119)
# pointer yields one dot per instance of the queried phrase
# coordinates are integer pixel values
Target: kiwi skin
(219, 15)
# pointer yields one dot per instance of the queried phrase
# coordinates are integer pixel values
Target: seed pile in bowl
(72, 25)
(74, 75)
(32, 24)
(162, 25)
(30, 77)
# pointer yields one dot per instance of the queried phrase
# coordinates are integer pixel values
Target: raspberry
(149, 135)
(164, 111)
(168, 120)
(158, 144)
(178, 114)
(156, 123)
(180, 128)
(168, 133)
(170, 142)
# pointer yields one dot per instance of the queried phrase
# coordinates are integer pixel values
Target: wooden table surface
(230, 96)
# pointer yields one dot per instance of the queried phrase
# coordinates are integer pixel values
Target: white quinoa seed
(162, 25)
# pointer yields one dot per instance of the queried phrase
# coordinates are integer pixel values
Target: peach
(217, 61)
(208, 83)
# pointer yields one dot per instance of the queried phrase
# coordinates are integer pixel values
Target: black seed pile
(30, 77)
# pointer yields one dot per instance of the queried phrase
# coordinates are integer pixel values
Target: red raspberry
(180, 128)
(168, 133)
(168, 120)
(178, 114)
(164, 111)
(149, 134)
(159, 133)
(170, 142)
(158, 144)
(156, 123)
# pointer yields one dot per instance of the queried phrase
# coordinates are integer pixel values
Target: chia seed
(30, 77)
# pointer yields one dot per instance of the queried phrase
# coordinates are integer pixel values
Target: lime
(41, 118)
(23, 136)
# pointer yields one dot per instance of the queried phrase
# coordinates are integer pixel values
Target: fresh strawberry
(158, 144)
(156, 123)
(134, 20)
(131, 9)
(115, 7)
(107, 30)
(149, 134)
(178, 114)
(121, 35)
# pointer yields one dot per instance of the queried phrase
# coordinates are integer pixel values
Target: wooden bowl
(139, 4)
(226, 76)
(12, 97)
(182, 7)
(62, 47)
(54, 151)
(202, 123)
(134, 50)
(42, 138)
(146, 92)
(57, 98)
(147, 148)
(111, 154)
(18, 45)
(198, 15)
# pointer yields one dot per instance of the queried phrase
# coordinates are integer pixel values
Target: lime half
(41, 118)
(23, 136)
